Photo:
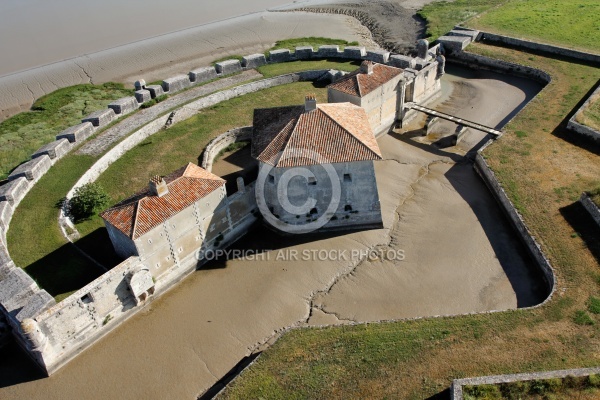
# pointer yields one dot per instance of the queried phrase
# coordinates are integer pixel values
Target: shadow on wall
(584, 226)
(526, 279)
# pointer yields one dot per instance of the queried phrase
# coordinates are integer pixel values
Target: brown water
(460, 256)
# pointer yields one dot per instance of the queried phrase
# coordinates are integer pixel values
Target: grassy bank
(543, 168)
(570, 23)
(24, 133)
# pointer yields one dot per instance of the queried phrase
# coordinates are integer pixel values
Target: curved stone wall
(221, 142)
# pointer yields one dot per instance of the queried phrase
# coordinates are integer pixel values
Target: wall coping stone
(54, 150)
(32, 169)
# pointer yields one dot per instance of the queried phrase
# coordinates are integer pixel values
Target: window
(150, 241)
(312, 181)
(347, 178)
(86, 299)
(271, 179)
(313, 211)
(347, 207)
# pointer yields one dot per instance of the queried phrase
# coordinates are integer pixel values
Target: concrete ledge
(142, 96)
(100, 117)
(401, 61)
(590, 207)
(303, 52)
(327, 51)
(281, 55)
(124, 105)
(474, 35)
(14, 191)
(203, 74)
(155, 91)
(381, 57)
(32, 170)
(458, 384)
(6, 213)
(34, 305)
(15, 289)
(176, 83)
(355, 52)
(254, 61)
(54, 150)
(77, 133)
(453, 44)
(582, 129)
(228, 67)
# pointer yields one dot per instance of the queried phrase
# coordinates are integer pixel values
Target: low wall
(590, 207)
(458, 384)
(221, 142)
(491, 38)
(516, 220)
(583, 129)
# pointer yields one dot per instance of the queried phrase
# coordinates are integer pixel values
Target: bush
(87, 201)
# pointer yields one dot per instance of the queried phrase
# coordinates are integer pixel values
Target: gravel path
(106, 139)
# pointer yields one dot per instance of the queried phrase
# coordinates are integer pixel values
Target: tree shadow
(584, 226)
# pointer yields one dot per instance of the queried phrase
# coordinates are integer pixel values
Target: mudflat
(459, 256)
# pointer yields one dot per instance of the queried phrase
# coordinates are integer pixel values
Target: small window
(271, 179)
(347, 178)
(312, 181)
(180, 249)
(347, 207)
(86, 299)
(313, 211)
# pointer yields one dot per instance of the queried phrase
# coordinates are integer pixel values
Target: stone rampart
(254, 61)
(14, 191)
(456, 389)
(219, 143)
(491, 38)
(77, 133)
(176, 83)
(32, 170)
(228, 67)
(124, 105)
(531, 244)
(55, 150)
(100, 117)
(590, 207)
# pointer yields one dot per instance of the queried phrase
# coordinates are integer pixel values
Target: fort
(159, 254)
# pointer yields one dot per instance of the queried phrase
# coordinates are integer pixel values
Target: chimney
(366, 67)
(158, 186)
(310, 102)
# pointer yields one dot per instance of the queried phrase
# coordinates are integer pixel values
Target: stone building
(328, 151)
(374, 87)
(169, 221)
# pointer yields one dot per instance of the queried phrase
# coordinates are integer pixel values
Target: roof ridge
(350, 133)
(135, 218)
(279, 154)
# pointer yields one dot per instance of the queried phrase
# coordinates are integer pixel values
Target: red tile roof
(291, 136)
(144, 211)
(359, 83)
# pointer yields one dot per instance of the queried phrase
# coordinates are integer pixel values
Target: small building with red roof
(169, 220)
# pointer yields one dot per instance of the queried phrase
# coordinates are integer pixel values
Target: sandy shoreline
(174, 54)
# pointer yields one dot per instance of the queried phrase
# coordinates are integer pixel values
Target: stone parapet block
(100, 117)
(32, 170)
(329, 51)
(304, 52)
(176, 83)
(203, 74)
(228, 67)
(124, 105)
(379, 56)
(143, 96)
(14, 190)
(155, 90)
(77, 133)
(54, 150)
(281, 55)
(401, 61)
(254, 61)
(355, 52)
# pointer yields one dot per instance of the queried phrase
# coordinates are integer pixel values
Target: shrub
(87, 201)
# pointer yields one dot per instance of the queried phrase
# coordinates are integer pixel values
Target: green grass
(315, 42)
(595, 196)
(570, 23)
(231, 57)
(272, 70)
(583, 388)
(24, 133)
(231, 148)
(442, 16)
(590, 115)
